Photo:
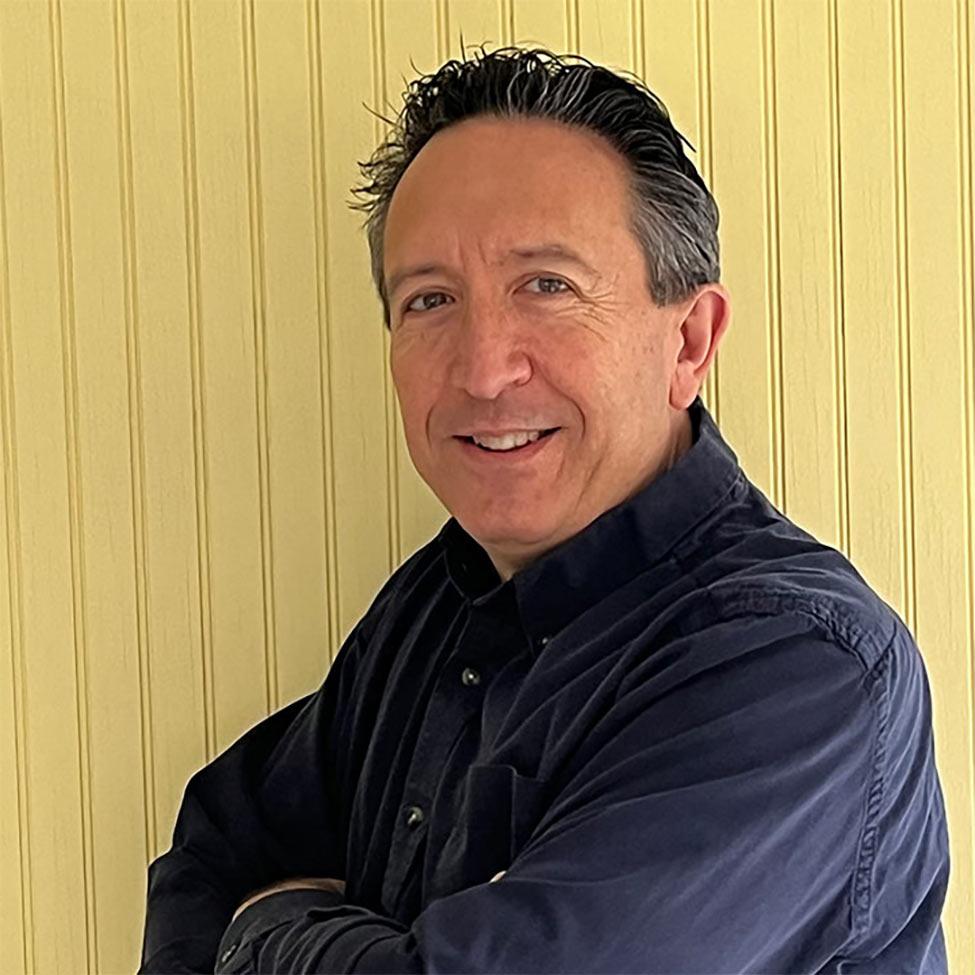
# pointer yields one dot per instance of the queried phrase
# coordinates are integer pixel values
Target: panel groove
(259, 306)
(325, 358)
(770, 176)
(394, 555)
(75, 539)
(191, 214)
(904, 395)
(705, 103)
(137, 458)
(966, 102)
(13, 550)
(839, 282)
(638, 19)
(441, 16)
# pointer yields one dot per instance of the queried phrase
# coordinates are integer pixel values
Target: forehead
(507, 181)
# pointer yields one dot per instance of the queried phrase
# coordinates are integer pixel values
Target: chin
(501, 527)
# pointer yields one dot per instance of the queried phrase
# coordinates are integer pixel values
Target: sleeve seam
(861, 896)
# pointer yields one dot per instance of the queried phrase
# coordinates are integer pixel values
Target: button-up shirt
(691, 735)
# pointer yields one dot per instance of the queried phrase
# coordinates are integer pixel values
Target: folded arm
(715, 827)
(248, 818)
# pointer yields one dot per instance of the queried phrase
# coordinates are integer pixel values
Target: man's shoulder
(823, 588)
(759, 562)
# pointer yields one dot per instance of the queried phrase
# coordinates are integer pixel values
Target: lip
(505, 458)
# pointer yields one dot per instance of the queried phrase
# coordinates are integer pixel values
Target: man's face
(495, 342)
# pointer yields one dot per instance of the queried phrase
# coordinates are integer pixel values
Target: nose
(488, 355)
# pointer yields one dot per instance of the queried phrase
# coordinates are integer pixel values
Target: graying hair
(673, 216)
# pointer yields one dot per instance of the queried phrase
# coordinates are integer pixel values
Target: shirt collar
(622, 542)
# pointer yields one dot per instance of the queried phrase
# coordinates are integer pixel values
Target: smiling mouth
(511, 450)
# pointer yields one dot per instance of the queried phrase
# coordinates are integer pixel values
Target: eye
(425, 294)
(556, 280)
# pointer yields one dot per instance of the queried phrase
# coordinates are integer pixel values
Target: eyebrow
(561, 251)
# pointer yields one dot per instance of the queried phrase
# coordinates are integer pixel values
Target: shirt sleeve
(247, 818)
(718, 819)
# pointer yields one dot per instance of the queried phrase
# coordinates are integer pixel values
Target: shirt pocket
(504, 807)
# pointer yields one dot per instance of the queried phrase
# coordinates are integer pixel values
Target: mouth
(503, 457)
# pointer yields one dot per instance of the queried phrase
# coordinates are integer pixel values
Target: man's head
(610, 346)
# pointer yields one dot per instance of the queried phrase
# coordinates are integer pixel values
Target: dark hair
(674, 216)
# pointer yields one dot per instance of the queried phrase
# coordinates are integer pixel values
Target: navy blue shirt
(691, 735)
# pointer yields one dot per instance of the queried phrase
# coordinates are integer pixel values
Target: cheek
(617, 398)
(601, 378)
(417, 387)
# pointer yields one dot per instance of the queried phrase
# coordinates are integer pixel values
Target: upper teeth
(509, 440)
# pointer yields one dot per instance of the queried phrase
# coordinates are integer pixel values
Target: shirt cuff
(236, 951)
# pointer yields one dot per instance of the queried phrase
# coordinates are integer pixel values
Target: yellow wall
(204, 475)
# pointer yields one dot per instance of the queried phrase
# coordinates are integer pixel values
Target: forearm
(187, 912)
(252, 816)
(228, 841)
(302, 930)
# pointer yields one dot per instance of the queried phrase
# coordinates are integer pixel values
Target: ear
(704, 320)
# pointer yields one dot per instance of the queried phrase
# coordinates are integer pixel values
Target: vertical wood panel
(255, 235)
(294, 382)
(355, 330)
(16, 924)
(935, 312)
(295, 346)
(114, 745)
(191, 222)
(740, 183)
(541, 24)
(34, 236)
(13, 819)
(808, 381)
(705, 115)
(677, 68)
(179, 701)
(869, 297)
(395, 439)
(963, 890)
(672, 68)
(480, 22)
(75, 512)
(605, 32)
(136, 432)
(318, 192)
(228, 370)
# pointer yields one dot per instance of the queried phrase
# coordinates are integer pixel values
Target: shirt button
(226, 955)
(544, 640)
(470, 676)
(414, 816)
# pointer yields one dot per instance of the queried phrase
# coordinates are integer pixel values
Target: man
(620, 714)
